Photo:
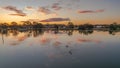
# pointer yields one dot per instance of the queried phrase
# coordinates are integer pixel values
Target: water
(59, 49)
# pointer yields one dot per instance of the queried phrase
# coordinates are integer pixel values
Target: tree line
(70, 25)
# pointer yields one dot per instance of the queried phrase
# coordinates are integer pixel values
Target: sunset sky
(60, 11)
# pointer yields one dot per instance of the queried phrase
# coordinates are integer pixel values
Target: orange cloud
(17, 14)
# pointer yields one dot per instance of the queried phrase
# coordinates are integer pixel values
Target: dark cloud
(44, 10)
(49, 9)
(55, 20)
(49, 20)
(91, 11)
(56, 6)
(14, 9)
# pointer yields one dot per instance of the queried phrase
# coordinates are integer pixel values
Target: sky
(60, 11)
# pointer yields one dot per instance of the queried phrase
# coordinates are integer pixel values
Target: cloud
(49, 9)
(69, 4)
(29, 8)
(56, 6)
(44, 10)
(18, 14)
(48, 20)
(91, 11)
(55, 20)
(14, 9)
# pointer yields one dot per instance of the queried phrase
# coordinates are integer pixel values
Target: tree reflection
(56, 31)
(86, 32)
(4, 32)
(37, 32)
(70, 32)
(15, 32)
(113, 32)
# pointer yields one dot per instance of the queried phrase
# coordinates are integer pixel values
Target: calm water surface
(59, 49)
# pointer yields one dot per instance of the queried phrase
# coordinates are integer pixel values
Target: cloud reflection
(57, 43)
(21, 38)
(14, 43)
(88, 40)
(44, 40)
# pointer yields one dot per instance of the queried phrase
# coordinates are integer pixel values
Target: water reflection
(37, 32)
(86, 32)
(59, 48)
(22, 35)
(113, 32)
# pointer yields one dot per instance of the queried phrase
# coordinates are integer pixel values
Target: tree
(4, 25)
(86, 27)
(70, 25)
(55, 26)
(37, 25)
(27, 24)
(14, 25)
(114, 26)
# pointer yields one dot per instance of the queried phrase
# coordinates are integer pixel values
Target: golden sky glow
(61, 11)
